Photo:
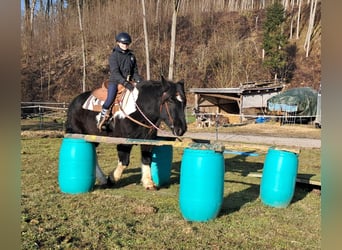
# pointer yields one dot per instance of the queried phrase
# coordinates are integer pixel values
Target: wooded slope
(218, 43)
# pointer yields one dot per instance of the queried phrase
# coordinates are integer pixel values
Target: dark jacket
(123, 63)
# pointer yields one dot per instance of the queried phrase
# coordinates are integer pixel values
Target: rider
(123, 69)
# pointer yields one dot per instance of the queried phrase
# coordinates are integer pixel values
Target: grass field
(129, 217)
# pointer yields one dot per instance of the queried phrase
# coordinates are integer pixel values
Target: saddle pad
(127, 103)
(93, 103)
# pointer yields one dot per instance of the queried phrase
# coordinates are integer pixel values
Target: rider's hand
(128, 86)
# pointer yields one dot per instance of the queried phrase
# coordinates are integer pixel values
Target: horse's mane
(163, 85)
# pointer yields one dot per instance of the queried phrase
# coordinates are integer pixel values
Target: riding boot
(104, 115)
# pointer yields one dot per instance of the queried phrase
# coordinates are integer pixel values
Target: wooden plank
(301, 178)
(173, 141)
(222, 96)
(183, 142)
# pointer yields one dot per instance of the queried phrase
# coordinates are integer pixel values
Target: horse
(157, 102)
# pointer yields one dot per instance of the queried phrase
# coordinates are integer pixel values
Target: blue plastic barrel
(278, 179)
(161, 164)
(201, 184)
(76, 168)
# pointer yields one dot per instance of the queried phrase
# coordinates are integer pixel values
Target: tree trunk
(33, 6)
(292, 20)
(83, 43)
(148, 74)
(26, 45)
(298, 19)
(27, 13)
(310, 28)
(173, 37)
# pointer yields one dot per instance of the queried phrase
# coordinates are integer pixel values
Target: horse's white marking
(179, 98)
(146, 178)
(116, 175)
(98, 116)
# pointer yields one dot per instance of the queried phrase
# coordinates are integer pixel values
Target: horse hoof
(110, 183)
(152, 188)
(101, 186)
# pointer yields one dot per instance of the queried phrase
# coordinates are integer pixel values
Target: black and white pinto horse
(157, 101)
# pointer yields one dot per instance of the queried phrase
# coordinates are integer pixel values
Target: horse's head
(172, 108)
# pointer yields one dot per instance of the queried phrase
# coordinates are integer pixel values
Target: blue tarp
(301, 101)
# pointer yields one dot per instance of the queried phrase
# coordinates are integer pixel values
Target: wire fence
(286, 117)
(51, 115)
(44, 115)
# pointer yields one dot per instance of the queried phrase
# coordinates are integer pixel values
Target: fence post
(40, 117)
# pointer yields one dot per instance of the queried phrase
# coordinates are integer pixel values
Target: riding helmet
(123, 37)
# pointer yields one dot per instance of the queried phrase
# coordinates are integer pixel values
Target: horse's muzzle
(178, 131)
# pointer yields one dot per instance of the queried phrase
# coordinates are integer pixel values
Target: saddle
(124, 101)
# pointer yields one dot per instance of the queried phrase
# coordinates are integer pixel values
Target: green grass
(129, 217)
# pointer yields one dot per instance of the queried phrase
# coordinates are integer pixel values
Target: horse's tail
(68, 128)
(68, 123)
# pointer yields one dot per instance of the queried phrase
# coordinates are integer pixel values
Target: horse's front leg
(146, 159)
(123, 155)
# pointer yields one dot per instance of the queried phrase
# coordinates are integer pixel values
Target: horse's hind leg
(146, 159)
(123, 154)
(100, 176)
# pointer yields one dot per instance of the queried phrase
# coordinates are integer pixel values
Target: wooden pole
(160, 141)
(183, 142)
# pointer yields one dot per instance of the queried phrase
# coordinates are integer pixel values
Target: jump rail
(160, 141)
(219, 146)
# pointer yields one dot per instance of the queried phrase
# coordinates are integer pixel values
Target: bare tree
(292, 20)
(311, 26)
(148, 74)
(176, 5)
(33, 6)
(83, 43)
(298, 18)
(29, 15)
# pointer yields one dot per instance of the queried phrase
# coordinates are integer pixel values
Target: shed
(237, 100)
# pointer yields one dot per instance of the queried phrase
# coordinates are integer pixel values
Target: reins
(152, 125)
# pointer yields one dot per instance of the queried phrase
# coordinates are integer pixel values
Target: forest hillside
(218, 43)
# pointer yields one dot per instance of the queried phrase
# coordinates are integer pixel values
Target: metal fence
(45, 113)
(52, 115)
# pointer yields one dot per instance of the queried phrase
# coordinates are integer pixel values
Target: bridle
(164, 103)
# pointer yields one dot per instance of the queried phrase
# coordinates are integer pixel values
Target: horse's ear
(165, 83)
(181, 82)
